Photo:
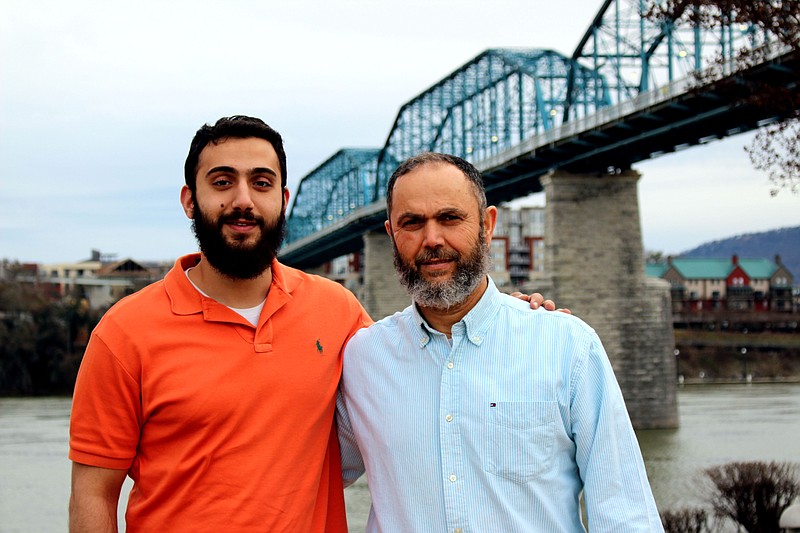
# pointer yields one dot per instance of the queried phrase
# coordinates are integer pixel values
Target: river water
(719, 424)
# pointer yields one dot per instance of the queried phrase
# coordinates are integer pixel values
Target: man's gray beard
(469, 273)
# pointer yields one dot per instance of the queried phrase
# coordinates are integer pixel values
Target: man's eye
(221, 182)
(262, 183)
(411, 224)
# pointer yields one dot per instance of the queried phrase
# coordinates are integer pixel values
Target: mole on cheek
(222, 205)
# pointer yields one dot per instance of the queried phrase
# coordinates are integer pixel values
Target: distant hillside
(784, 242)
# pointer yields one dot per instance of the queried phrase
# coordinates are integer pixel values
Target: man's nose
(242, 199)
(432, 236)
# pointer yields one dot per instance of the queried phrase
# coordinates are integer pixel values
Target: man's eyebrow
(227, 170)
(451, 211)
(231, 170)
(262, 170)
(408, 214)
(454, 211)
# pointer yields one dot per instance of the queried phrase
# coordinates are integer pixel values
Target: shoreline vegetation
(702, 358)
(42, 340)
(736, 357)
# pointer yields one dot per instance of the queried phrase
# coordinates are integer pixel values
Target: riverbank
(735, 357)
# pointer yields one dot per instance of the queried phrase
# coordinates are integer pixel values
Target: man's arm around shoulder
(94, 499)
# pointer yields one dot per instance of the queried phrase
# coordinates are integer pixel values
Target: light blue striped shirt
(498, 431)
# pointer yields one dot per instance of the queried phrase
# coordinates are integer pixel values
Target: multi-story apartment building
(517, 247)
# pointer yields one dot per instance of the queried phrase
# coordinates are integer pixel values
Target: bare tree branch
(775, 150)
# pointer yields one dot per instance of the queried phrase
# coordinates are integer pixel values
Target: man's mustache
(436, 254)
(236, 216)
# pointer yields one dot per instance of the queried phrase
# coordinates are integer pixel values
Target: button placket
(450, 433)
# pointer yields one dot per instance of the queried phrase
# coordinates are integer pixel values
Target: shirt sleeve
(352, 462)
(616, 489)
(106, 410)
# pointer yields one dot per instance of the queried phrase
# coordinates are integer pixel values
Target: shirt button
(450, 364)
(449, 418)
(476, 339)
(457, 530)
(452, 478)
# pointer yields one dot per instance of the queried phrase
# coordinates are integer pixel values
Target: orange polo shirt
(221, 426)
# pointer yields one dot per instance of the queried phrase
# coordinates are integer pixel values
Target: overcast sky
(99, 100)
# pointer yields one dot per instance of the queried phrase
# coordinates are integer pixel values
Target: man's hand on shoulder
(537, 300)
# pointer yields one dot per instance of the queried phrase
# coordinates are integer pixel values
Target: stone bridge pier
(382, 293)
(594, 265)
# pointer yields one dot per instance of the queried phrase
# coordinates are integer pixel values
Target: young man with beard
(214, 389)
(471, 413)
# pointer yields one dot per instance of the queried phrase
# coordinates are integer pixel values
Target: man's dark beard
(469, 273)
(238, 260)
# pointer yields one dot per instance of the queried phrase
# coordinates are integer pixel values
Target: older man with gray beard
(471, 413)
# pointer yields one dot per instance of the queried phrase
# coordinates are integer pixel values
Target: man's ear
(187, 202)
(489, 222)
(388, 225)
(285, 199)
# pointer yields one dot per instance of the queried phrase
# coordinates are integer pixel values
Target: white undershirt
(250, 314)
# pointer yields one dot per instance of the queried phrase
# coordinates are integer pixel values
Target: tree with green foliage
(654, 257)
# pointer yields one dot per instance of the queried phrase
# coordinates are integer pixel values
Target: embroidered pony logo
(319, 346)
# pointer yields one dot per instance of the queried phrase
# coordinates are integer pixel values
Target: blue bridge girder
(495, 101)
(635, 53)
(329, 193)
(628, 93)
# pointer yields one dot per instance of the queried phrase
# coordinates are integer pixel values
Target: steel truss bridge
(629, 92)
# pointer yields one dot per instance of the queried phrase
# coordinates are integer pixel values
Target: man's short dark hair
(468, 169)
(235, 127)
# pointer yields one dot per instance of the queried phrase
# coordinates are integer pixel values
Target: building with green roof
(710, 284)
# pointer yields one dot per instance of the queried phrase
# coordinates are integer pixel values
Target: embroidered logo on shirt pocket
(519, 439)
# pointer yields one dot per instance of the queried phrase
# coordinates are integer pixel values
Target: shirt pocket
(519, 439)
